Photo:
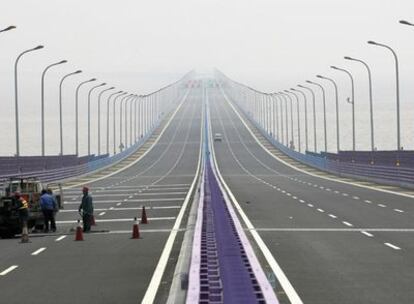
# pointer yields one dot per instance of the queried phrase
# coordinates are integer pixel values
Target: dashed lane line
(102, 213)
(392, 246)
(332, 216)
(8, 270)
(120, 220)
(367, 233)
(60, 238)
(399, 210)
(347, 224)
(38, 251)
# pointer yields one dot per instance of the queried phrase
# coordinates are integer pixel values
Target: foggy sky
(139, 46)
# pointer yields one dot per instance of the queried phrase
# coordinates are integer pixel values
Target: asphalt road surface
(336, 243)
(108, 266)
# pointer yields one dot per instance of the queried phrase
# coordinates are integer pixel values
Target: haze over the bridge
(142, 45)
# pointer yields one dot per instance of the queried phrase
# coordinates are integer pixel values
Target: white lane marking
(111, 208)
(120, 220)
(382, 205)
(102, 213)
(368, 201)
(60, 238)
(288, 194)
(10, 269)
(320, 210)
(294, 197)
(399, 210)
(327, 189)
(336, 191)
(333, 216)
(302, 201)
(38, 251)
(348, 224)
(367, 233)
(392, 246)
(355, 197)
(119, 204)
(410, 230)
(310, 205)
(345, 194)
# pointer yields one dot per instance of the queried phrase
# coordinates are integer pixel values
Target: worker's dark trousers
(87, 220)
(49, 216)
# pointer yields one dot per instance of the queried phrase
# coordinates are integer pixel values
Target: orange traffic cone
(25, 234)
(135, 229)
(79, 232)
(144, 219)
(93, 221)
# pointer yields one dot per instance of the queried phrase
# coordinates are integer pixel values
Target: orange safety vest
(25, 205)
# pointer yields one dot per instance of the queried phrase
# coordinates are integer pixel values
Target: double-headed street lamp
(99, 117)
(371, 111)
(352, 102)
(60, 108)
(89, 114)
(77, 113)
(338, 146)
(42, 106)
(397, 83)
(16, 95)
(324, 112)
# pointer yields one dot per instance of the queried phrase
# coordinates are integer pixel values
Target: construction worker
(22, 208)
(48, 206)
(86, 209)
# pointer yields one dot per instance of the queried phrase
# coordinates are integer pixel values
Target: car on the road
(218, 137)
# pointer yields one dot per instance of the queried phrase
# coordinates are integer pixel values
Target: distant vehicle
(218, 137)
(30, 189)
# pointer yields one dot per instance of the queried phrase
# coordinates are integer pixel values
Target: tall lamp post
(306, 116)
(298, 112)
(77, 113)
(324, 112)
(107, 118)
(42, 105)
(99, 117)
(352, 101)
(397, 83)
(291, 116)
(314, 113)
(89, 114)
(114, 116)
(60, 108)
(121, 144)
(371, 111)
(16, 95)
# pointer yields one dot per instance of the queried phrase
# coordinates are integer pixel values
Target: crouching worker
(86, 209)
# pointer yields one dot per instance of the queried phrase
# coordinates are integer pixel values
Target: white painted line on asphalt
(112, 208)
(102, 213)
(392, 246)
(120, 220)
(348, 224)
(345, 194)
(60, 238)
(10, 269)
(288, 194)
(302, 201)
(294, 197)
(355, 197)
(368, 201)
(399, 210)
(382, 205)
(327, 189)
(38, 251)
(367, 233)
(333, 216)
(310, 205)
(336, 191)
(320, 210)
(322, 187)
(118, 204)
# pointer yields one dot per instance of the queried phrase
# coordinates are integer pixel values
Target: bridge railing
(398, 173)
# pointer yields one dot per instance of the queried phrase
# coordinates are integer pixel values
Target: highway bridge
(237, 220)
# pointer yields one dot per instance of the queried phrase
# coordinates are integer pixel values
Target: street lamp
(99, 117)
(275, 116)
(77, 113)
(397, 82)
(121, 145)
(89, 114)
(337, 109)
(107, 119)
(279, 133)
(306, 116)
(406, 22)
(286, 118)
(314, 113)
(42, 106)
(352, 102)
(324, 112)
(371, 111)
(298, 110)
(291, 117)
(114, 116)
(16, 101)
(60, 108)
(8, 28)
